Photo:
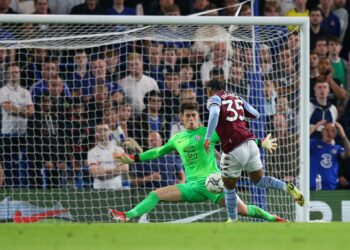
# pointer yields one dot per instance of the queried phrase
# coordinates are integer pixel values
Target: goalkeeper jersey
(198, 164)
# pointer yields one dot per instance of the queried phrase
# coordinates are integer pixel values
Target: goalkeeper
(197, 164)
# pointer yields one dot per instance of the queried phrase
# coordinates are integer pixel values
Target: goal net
(73, 93)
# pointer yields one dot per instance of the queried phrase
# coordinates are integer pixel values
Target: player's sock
(144, 206)
(271, 182)
(257, 212)
(231, 203)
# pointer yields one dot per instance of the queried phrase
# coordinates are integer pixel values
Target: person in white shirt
(107, 172)
(136, 84)
(16, 106)
(219, 59)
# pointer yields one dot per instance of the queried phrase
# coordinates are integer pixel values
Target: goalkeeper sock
(271, 182)
(231, 203)
(257, 212)
(144, 206)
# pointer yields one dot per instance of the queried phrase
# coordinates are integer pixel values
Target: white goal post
(95, 34)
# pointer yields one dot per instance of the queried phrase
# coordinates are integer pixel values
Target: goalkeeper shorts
(196, 191)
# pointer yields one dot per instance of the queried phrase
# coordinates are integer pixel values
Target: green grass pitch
(201, 236)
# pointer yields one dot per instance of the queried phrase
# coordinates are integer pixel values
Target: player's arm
(151, 154)
(213, 106)
(249, 110)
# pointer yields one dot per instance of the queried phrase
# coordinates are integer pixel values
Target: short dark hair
(189, 106)
(216, 85)
(150, 94)
(316, 9)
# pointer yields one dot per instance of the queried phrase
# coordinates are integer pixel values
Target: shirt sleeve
(214, 113)
(91, 158)
(156, 153)
(250, 111)
(29, 100)
(214, 100)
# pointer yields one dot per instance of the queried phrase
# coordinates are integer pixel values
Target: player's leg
(231, 171)
(255, 171)
(253, 211)
(168, 193)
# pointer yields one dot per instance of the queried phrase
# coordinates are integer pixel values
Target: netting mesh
(82, 92)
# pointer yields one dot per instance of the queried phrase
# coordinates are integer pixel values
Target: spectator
(237, 83)
(41, 7)
(343, 15)
(321, 109)
(154, 66)
(321, 47)
(158, 7)
(314, 73)
(63, 7)
(47, 144)
(118, 8)
(113, 71)
(271, 9)
(98, 104)
(283, 107)
(136, 84)
(246, 10)
(270, 96)
(17, 107)
(90, 7)
(32, 70)
(51, 82)
(283, 164)
(200, 5)
(230, 8)
(170, 58)
(219, 59)
(186, 96)
(186, 77)
(151, 119)
(339, 65)
(80, 140)
(316, 32)
(161, 172)
(79, 77)
(338, 93)
(106, 172)
(325, 155)
(330, 24)
(171, 94)
(5, 7)
(265, 57)
(298, 10)
(110, 117)
(98, 76)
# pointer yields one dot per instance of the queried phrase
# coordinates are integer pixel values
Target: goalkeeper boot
(117, 216)
(279, 219)
(296, 194)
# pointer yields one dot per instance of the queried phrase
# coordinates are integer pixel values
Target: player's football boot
(117, 216)
(279, 219)
(231, 221)
(297, 195)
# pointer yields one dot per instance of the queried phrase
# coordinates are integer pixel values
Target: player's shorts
(196, 191)
(245, 157)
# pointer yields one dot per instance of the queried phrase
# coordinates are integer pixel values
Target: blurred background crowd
(64, 109)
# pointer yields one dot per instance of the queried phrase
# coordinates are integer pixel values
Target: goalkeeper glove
(268, 143)
(124, 158)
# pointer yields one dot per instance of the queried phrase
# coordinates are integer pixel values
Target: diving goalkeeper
(197, 164)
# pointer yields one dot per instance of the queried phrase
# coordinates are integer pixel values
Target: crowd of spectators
(64, 112)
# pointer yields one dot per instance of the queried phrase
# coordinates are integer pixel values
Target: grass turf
(201, 236)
